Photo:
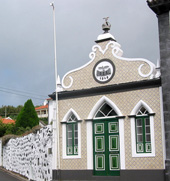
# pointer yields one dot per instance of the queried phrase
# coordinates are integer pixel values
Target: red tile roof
(42, 107)
(7, 120)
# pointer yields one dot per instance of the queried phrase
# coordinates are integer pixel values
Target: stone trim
(108, 89)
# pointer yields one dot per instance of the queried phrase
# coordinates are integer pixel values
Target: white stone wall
(30, 155)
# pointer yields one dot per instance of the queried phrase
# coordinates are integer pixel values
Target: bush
(10, 129)
(20, 131)
(27, 128)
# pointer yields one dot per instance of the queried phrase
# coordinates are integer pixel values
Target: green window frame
(72, 135)
(143, 134)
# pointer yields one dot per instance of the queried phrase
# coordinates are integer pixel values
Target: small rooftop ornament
(106, 26)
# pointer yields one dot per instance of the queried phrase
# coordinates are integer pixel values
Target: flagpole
(56, 150)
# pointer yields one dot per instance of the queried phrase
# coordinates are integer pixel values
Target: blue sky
(26, 40)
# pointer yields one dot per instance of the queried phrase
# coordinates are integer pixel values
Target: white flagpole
(56, 150)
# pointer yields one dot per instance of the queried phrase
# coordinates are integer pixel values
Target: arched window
(142, 130)
(105, 111)
(143, 133)
(72, 135)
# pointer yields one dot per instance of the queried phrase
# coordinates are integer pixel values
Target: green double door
(106, 154)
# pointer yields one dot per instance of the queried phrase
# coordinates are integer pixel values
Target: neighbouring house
(110, 118)
(42, 111)
(7, 120)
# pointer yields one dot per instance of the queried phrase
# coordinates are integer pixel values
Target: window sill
(143, 155)
(72, 157)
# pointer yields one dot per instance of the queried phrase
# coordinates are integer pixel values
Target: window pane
(75, 127)
(105, 109)
(139, 138)
(146, 112)
(147, 130)
(69, 134)
(139, 122)
(76, 142)
(148, 137)
(69, 127)
(139, 130)
(139, 113)
(142, 110)
(99, 114)
(112, 113)
(76, 134)
(147, 122)
(70, 142)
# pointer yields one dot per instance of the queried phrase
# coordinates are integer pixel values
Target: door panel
(99, 143)
(114, 161)
(113, 143)
(100, 162)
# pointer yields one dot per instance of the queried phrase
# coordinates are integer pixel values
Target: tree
(10, 111)
(2, 128)
(27, 116)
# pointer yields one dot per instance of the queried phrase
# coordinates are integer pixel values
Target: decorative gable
(107, 67)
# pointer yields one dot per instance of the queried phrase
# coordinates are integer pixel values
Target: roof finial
(106, 26)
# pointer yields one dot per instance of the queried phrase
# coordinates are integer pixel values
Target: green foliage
(10, 129)
(44, 120)
(2, 129)
(27, 128)
(10, 111)
(20, 131)
(27, 116)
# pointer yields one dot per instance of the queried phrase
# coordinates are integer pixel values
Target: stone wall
(31, 155)
(164, 41)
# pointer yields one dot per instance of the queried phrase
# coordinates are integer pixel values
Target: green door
(106, 157)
